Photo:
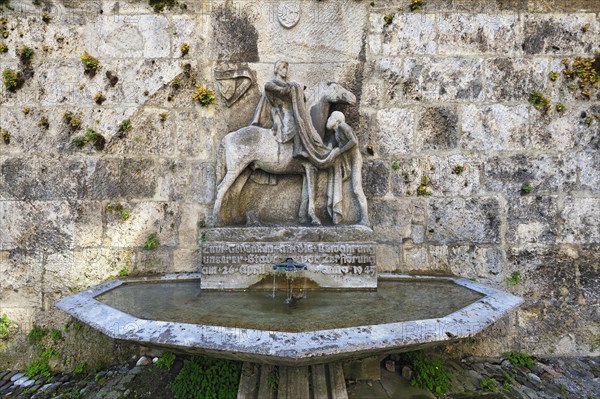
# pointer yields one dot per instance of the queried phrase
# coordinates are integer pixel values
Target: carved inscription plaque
(229, 265)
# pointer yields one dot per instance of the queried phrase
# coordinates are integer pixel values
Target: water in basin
(394, 301)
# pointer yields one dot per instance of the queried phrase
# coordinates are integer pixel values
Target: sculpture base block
(335, 257)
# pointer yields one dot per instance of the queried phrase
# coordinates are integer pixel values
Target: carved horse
(254, 147)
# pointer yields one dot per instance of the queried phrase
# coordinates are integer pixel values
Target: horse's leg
(236, 188)
(357, 187)
(224, 186)
(303, 212)
(311, 184)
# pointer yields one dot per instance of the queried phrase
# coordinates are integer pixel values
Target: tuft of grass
(99, 98)
(560, 107)
(5, 134)
(151, 242)
(90, 137)
(457, 169)
(55, 334)
(585, 73)
(160, 5)
(489, 384)
(37, 369)
(44, 123)
(46, 17)
(553, 76)
(163, 116)
(396, 165)
(416, 5)
(422, 189)
(123, 272)
(3, 47)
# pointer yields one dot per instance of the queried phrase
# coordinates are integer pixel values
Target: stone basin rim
(289, 348)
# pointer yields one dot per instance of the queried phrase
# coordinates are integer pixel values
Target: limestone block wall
(441, 87)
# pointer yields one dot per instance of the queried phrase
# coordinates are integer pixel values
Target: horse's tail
(221, 162)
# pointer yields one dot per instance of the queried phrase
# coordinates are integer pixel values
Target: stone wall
(443, 111)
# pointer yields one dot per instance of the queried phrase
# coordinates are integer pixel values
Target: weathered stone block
(138, 178)
(376, 178)
(193, 135)
(443, 79)
(514, 78)
(394, 220)
(153, 262)
(88, 224)
(532, 219)
(560, 34)
(145, 218)
(563, 131)
(467, 34)
(203, 180)
(388, 258)
(123, 37)
(148, 134)
(396, 130)
(545, 173)
(44, 178)
(390, 79)
(173, 180)
(494, 127)
(475, 220)
(409, 34)
(441, 174)
(141, 79)
(588, 164)
(20, 268)
(469, 261)
(581, 223)
(437, 129)
(104, 178)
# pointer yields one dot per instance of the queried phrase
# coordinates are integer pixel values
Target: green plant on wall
(539, 100)
(165, 360)
(5, 134)
(526, 188)
(151, 241)
(10, 78)
(204, 95)
(422, 189)
(185, 49)
(489, 384)
(25, 53)
(4, 325)
(3, 48)
(90, 63)
(72, 119)
(519, 359)
(583, 71)
(514, 279)
(416, 4)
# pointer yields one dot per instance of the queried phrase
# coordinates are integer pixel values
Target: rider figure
(282, 108)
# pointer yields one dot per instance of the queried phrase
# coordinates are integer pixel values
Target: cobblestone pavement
(551, 378)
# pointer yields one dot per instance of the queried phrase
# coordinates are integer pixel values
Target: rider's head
(281, 68)
(335, 119)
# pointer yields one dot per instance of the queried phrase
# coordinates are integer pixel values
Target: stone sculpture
(286, 137)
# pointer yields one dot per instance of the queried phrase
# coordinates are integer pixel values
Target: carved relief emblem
(234, 81)
(288, 14)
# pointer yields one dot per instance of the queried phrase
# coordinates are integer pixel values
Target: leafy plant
(161, 5)
(416, 4)
(10, 78)
(123, 272)
(151, 241)
(273, 379)
(72, 119)
(55, 334)
(5, 134)
(4, 27)
(99, 98)
(163, 116)
(429, 373)
(46, 17)
(176, 83)
(519, 359)
(4, 325)
(3, 48)
(457, 169)
(25, 53)
(396, 165)
(515, 278)
(422, 189)
(583, 71)
(388, 19)
(90, 63)
(36, 334)
(553, 76)
(80, 368)
(165, 360)
(38, 368)
(560, 107)
(204, 95)
(539, 100)
(185, 49)
(526, 188)
(44, 123)
(489, 384)
(90, 137)
(204, 377)
(125, 126)
(562, 389)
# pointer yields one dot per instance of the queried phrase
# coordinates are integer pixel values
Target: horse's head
(337, 94)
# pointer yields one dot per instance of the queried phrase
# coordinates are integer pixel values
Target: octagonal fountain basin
(265, 326)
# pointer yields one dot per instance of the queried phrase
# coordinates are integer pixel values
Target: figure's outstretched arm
(276, 88)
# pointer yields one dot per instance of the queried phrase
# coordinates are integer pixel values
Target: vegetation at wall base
(429, 373)
(207, 378)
